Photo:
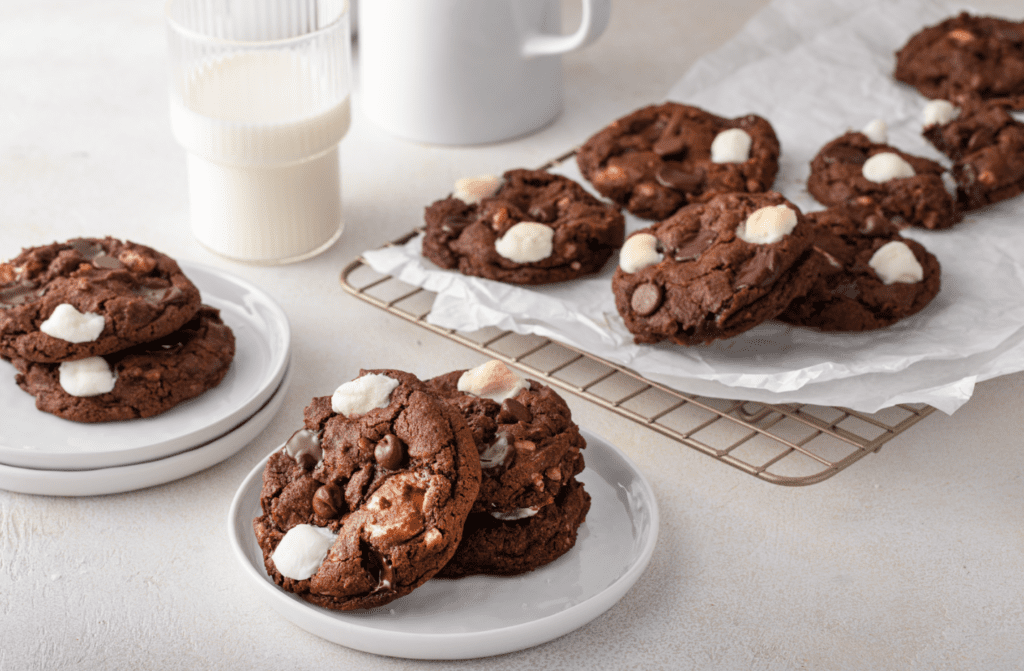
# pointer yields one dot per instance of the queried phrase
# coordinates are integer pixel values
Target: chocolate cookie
(873, 276)
(987, 147)
(714, 270)
(141, 381)
(659, 158)
(529, 446)
(532, 227)
(368, 501)
(853, 171)
(493, 546)
(965, 57)
(88, 297)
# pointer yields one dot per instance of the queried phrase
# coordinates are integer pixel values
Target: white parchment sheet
(814, 69)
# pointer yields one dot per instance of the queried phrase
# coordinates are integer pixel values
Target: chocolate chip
(87, 249)
(328, 501)
(673, 176)
(389, 452)
(646, 299)
(513, 411)
(17, 294)
(669, 143)
(108, 262)
(695, 246)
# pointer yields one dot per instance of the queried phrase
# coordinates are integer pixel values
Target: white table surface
(911, 559)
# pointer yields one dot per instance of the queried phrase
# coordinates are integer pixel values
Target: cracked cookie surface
(966, 56)
(495, 547)
(150, 378)
(659, 158)
(392, 487)
(837, 178)
(709, 283)
(139, 293)
(850, 295)
(529, 445)
(584, 231)
(986, 145)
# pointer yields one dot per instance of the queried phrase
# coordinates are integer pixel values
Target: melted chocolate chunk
(676, 177)
(18, 294)
(106, 262)
(513, 411)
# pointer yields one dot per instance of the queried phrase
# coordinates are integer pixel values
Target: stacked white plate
(44, 454)
(481, 616)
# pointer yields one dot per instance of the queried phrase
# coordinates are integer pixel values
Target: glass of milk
(260, 100)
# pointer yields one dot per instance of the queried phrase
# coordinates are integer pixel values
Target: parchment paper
(813, 68)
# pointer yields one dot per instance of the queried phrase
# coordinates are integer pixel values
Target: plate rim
(154, 472)
(470, 645)
(137, 455)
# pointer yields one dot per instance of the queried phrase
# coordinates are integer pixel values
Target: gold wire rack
(787, 444)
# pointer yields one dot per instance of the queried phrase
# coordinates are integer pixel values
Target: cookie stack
(393, 481)
(103, 330)
(973, 69)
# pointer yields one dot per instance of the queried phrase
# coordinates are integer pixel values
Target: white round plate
(481, 616)
(139, 476)
(35, 439)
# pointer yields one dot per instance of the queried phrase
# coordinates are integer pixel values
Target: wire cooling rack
(786, 444)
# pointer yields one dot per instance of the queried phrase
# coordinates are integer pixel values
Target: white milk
(263, 171)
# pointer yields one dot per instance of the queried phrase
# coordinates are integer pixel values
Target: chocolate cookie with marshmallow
(857, 172)
(368, 500)
(986, 145)
(662, 157)
(872, 278)
(526, 227)
(89, 297)
(529, 445)
(965, 57)
(494, 546)
(141, 381)
(714, 270)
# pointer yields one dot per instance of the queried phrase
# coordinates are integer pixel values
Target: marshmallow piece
(472, 190)
(496, 452)
(526, 242)
(638, 252)
(363, 394)
(517, 514)
(493, 380)
(767, 225)
(305, 445)
(302, 550)
(938, 113)
(69, 324)
(882, 167)
(86, 377)
(877, 131)
(731, 146)
(894, 262)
